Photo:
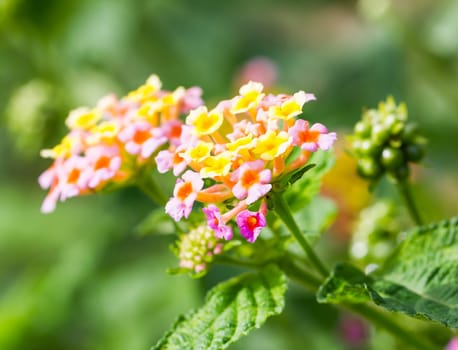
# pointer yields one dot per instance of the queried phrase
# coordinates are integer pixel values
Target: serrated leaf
(231, 310)
(420, 279)
(346, 284)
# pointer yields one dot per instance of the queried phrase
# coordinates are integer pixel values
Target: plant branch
(406, 193)
(284, 213)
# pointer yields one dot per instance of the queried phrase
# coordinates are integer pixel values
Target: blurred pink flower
(142, 138)
(261, 69)
(452, 344)
(105, 162)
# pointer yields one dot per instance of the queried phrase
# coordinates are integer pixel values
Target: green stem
(406, 193)
(229, 260)
(384, 320)
(284, 213)
(287, 265)
(299, 274)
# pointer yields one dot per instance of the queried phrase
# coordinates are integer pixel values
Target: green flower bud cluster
(385, 142)
(197, 249)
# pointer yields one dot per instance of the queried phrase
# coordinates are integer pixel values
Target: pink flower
(50, 201)
(166, 160)
(105, 161)
(142, 138)
(184, 195)
(50, 179)
(252, 181)
(216, 223)
(187, 137)
(312, 139)
(250, 224)
(452, 344)
(192, 99)
(244, 128)
(74, 175)
(260, 69)
(172, 131)
(65, 178)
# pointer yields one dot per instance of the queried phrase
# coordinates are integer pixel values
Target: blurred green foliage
(81, 278)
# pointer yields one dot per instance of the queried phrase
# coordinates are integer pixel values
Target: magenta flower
(252, 181)
(250, 224)
(313, 138)
(216, 223)
(184, 195)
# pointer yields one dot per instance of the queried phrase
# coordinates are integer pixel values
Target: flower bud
(369, 148)
(384, 140)
(369, 168)
(392, 158)
(362, 129)
(414, 152)
(197, 249)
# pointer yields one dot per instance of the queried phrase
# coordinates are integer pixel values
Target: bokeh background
(83, 277)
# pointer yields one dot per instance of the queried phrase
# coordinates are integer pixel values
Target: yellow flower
(150, 111)
(241, 146)
(204, 122)
(107, 130)
(147, 90)
(272, 145)
(250, 97)
(82, 118)
(198, 153)
(292, 107)
(174, 97)
(218, 165)
(63, 149)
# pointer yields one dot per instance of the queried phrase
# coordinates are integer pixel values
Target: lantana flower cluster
(230, 156)
(112, 142)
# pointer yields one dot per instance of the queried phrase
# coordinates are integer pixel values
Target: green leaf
(318, 215)
(346, 284)
(420, 279)
(297, 175)
(231, 310)
(308, 185)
